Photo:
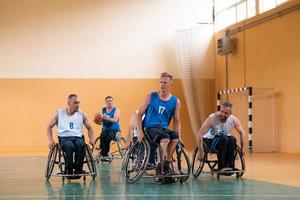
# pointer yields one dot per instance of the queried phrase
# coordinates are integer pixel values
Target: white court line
(147, 195)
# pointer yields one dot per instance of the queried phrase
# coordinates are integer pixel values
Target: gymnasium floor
(268, 176)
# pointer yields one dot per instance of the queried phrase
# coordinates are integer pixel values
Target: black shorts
(155, 134)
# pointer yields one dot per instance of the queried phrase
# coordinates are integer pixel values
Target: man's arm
(176, 119)
(115, 118)
(204, 129)
(51, 124)
(89, 128)
(141, 111)
(132, 125)
(240, 130)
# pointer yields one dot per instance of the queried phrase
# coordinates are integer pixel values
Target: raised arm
(141, 111)
(89, 128)
(50, 125)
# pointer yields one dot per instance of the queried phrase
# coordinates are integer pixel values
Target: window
(228, 12)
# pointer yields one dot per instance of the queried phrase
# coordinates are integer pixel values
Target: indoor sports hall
(246, 52)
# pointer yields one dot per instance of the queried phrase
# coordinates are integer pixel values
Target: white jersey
(68, 126)
(218, 127)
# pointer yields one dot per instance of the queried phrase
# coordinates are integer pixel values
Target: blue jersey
(159, 112)
(110, 126)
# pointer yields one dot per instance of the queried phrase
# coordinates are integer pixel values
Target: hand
(200, 155)
(105, 117)
(91, 143)
(51, 144)
(140, 136)
(127, 146)
(181, 142)
(243, 152)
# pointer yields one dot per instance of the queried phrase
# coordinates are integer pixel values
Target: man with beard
(215, 132)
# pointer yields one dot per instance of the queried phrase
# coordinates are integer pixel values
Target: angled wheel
(96, 149)
(51, 161)
(197, 165)
(121, 147)
(182, 163)
(90, 161)
(136, 161)
(118, 148)
(239, 163)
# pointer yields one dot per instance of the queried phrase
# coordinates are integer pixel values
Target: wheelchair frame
(197, 166)
(56, 156)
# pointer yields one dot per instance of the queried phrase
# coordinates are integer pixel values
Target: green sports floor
(22, 178)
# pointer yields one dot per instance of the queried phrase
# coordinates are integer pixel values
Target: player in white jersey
(215, 132)
(69, 122)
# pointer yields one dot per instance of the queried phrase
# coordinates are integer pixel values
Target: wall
(267, 56)
(94, 48)
(30, 103)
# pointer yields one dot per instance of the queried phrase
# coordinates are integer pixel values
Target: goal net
(254, 107)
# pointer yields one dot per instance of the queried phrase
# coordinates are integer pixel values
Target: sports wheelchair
(210, 163)
(57, 156)
(137, 159)
(117, 148)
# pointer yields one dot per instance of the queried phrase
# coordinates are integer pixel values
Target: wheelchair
(117, 148)
(137, 159)
(210, 163)
(56, 157)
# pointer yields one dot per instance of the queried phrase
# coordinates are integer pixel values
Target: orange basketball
(98, 118)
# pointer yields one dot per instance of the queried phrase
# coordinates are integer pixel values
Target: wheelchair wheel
(51, 161)
(239, 163)
(121, 147)
(197, 165)
(96, 150)
(182, 163)
(136, 161)
(118, 148)
(90, 161)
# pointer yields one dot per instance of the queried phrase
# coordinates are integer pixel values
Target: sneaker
(105, 158)
(166, 168)
(227, 171)
(151, 166)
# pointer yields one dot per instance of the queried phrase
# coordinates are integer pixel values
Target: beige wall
(267, 56)
(95, 48)
(28, 104)
(93, 38)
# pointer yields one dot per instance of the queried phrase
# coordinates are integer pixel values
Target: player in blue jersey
(159, 108)
(110, 126)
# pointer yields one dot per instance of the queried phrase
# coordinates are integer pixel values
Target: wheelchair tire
(90, 161)
(96, 149)
(51, 161)
(183, 162)
(197, 165)
(239, 162)
(121, 147)
(136, 161)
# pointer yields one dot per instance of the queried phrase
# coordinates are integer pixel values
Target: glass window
(265, 5)
(241, 11)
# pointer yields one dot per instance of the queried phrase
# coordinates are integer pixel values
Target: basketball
(98, 118)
